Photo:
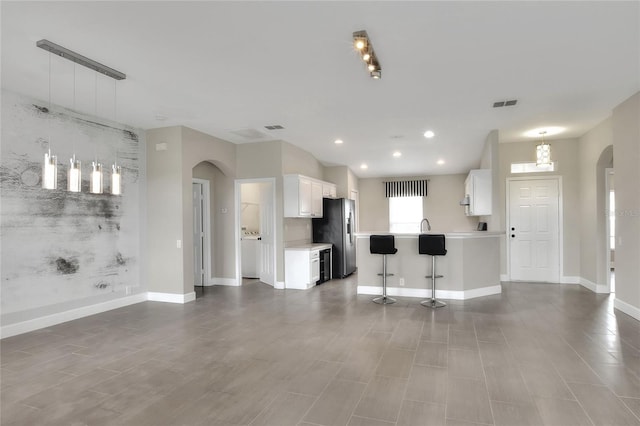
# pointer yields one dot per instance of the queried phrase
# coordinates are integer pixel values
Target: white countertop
(309, 247)
(455, 234)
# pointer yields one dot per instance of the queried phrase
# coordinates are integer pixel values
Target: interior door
(267, 242)
(533, 239)
(198, 234)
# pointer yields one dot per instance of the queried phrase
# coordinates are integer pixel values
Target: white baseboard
(171, 297)
(568, 279)
(596, 288)
(504, 277)
(279, 285)
(627, 308)
(424, 293)
(225, 281)
(70, 315)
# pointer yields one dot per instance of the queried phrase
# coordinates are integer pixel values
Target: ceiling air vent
(274, 127)
(500, 104)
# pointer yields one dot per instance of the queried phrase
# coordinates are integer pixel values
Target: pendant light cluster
(363, 45)
(74, 175)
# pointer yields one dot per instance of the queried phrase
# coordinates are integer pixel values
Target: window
(531, 168)
(405, 214)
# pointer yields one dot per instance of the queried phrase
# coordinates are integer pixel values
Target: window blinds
(406, 188)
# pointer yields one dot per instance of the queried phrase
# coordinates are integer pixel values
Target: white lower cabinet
(301, 268)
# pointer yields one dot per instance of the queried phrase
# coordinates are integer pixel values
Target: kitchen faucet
(428, 225)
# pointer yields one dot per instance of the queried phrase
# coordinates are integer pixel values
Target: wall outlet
(178, 243)
(401, 282)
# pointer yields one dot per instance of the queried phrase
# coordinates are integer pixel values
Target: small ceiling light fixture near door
(440, 162)
(363, 45)
(274, 127)
(397, 154)
(363, 166)
(549, 131)
(338, 142)
(429, 134)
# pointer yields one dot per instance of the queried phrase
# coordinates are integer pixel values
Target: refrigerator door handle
(349, 230)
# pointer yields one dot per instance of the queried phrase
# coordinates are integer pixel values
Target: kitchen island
(471, 267)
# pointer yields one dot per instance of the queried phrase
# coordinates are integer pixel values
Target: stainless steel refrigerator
(336, 227)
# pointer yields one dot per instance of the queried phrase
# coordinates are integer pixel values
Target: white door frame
(238, 196)
(560, 221)
(608, 172)
(206, 215)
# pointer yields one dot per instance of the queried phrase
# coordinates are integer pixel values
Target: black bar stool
(384, 245)
(432, 245)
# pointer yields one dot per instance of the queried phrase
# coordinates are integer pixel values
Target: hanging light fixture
(49, 175)
(116, 171)
(74, 175)
(95, 180)
(50, 166)
(543, 152)
(95, 183)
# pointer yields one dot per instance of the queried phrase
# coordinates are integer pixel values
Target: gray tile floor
(538, 354)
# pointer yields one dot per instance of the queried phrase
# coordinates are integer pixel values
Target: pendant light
(50, 166)
(95, 180)
(74, 176)
(543, 152)
(116, 171)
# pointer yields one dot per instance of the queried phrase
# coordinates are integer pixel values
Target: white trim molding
(70, 315)
(171, 297)
(596, 288)
(224, 281)
(504, 277)
(627, 308)
(279, 285)
(568, 279)
(425, 293)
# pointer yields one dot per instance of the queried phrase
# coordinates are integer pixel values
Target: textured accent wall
(63, 249)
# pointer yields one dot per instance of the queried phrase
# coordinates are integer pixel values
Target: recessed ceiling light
(429, 134)
(397, 154)
(363, 166)
(440, 162)
(550, 131)
(338, 141)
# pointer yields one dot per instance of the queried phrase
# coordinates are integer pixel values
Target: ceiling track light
(363, 45)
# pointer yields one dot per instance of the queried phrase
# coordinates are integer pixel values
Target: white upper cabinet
(303, 196)
(477, 190)
(329, 190)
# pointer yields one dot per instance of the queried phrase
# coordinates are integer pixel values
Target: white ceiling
(225, 67)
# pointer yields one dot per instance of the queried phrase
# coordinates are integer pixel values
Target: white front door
(198, 234)
(533, 230)
(267, 242)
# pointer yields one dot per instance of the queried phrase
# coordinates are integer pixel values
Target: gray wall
(66, 250)
(592, 204)
(566, 153)
(626, 151)
(170, 215)
(441, 206)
